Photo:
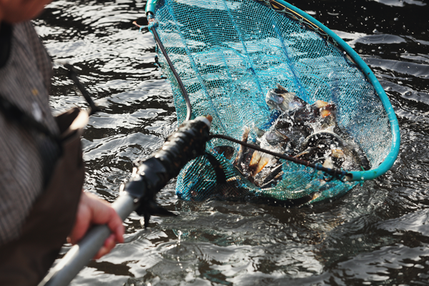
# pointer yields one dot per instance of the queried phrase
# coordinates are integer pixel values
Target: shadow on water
(377, 234)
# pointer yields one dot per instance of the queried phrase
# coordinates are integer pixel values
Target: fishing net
(229, 54)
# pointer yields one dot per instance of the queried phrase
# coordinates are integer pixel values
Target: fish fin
(262, 163)
(325, 113)
(281, 88)
(255, 159)
(320, 103)
(258, 162)
(242, 151)
(328, 163)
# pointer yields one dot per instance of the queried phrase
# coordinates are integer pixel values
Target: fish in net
(274, 78)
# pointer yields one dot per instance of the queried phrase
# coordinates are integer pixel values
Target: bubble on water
(408, 93)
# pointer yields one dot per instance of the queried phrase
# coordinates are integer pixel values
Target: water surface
(377, 234)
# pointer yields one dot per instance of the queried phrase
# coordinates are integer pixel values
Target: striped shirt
(24, 81)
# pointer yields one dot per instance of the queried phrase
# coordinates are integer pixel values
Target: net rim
(390, 159)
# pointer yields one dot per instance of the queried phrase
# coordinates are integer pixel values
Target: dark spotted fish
(306, 131)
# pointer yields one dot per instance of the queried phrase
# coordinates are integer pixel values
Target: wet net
(230, 54)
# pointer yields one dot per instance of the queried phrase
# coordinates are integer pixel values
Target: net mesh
(229, 53)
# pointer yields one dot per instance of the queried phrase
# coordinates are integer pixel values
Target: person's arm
(93, 210)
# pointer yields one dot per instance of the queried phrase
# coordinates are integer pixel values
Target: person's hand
(93, 210)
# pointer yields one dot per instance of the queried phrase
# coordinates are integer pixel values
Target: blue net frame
(229, 53)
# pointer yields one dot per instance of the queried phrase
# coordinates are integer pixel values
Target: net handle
(152, 28)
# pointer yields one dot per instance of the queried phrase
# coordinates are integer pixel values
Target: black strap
(93, 108)
(5, 42)
(50, 149)
(16, 114)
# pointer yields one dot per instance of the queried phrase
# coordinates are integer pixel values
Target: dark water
(378, 234)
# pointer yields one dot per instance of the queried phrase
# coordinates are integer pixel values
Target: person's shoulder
(24, 29)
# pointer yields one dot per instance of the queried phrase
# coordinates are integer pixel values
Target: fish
(281, 99)
(250, 162)
(305, 131)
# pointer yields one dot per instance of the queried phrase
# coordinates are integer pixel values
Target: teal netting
(229, 53)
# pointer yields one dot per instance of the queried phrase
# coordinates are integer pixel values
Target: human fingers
(103, 213)
(94, 210)
(82, 222)
(108, 245)
(116, 227)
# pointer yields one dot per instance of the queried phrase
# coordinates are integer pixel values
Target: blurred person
(41, 166)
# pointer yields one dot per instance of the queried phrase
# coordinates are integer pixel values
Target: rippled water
(377, 234)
